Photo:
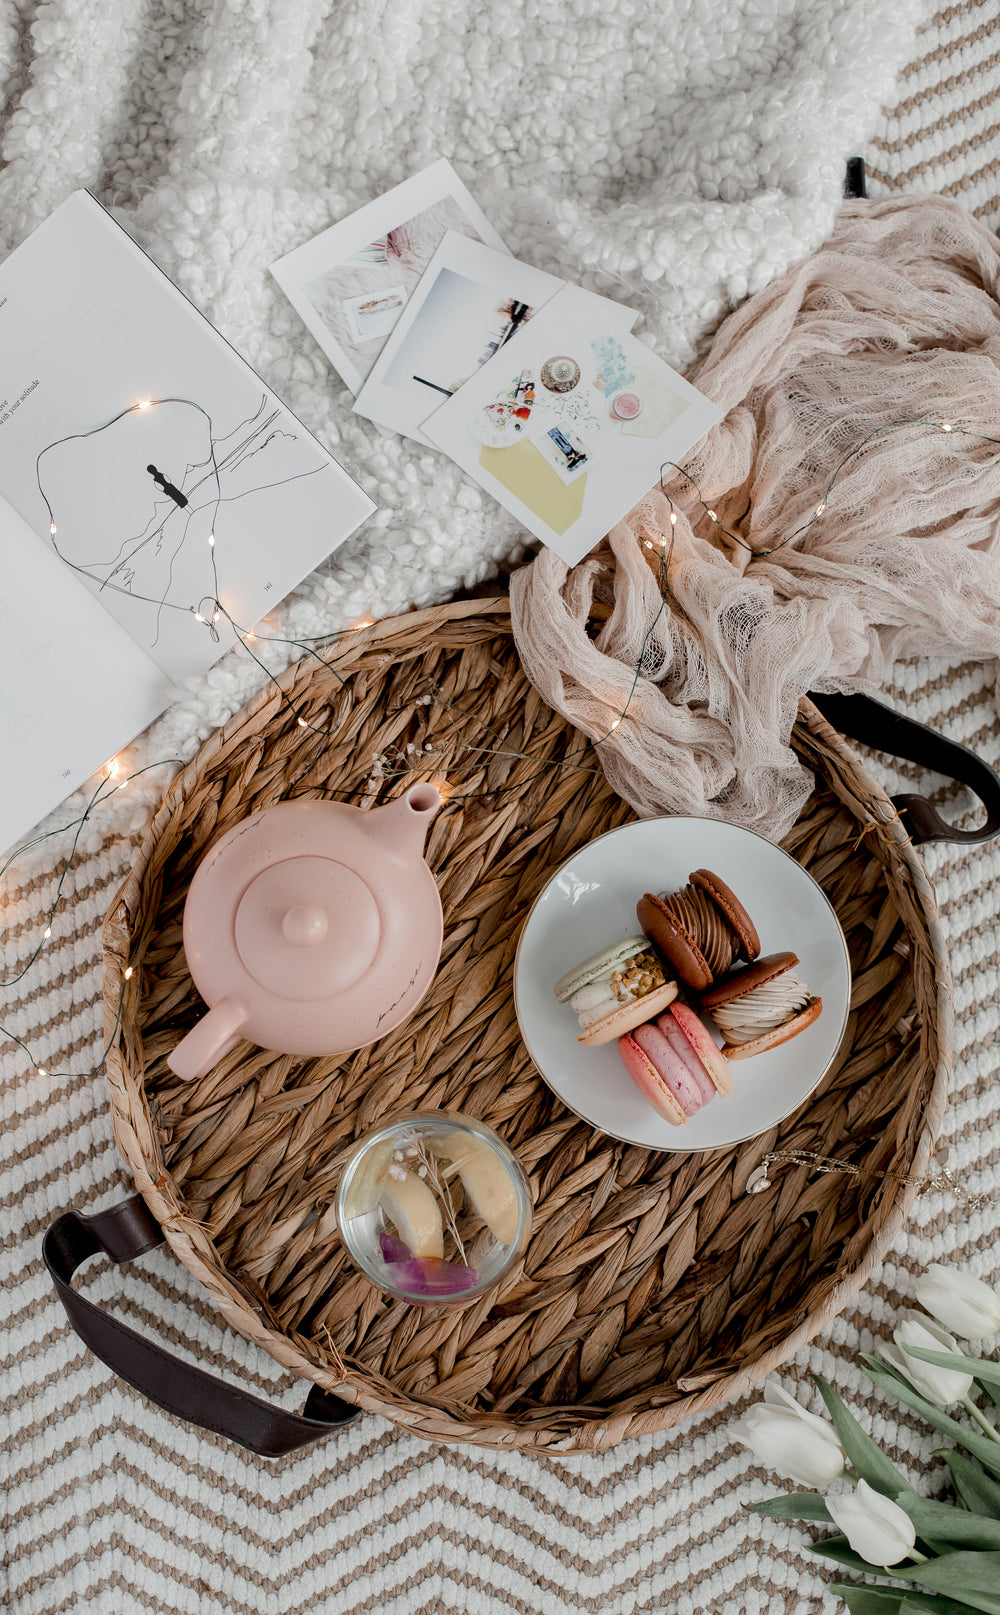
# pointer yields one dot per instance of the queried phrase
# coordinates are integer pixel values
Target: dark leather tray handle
(876, 725)
(129, 1230)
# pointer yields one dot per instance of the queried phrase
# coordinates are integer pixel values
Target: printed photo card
(471, 302)
(568, 424)
(351, 283)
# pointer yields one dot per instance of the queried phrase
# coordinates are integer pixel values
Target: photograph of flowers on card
(470, 304)
(351, 283)
(570, 423)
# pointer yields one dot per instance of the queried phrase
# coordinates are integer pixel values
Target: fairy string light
(176, 500)
(195, 495)
(947, 427)
(662, 548)
(99, 796)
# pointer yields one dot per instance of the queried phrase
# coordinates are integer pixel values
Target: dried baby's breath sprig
(428, 1170)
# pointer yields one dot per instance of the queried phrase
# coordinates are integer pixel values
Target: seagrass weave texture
(653, 1286)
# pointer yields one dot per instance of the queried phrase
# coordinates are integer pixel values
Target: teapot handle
(208, 1040)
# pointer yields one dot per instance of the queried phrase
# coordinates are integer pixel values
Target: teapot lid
(290, 928)
(319, 923)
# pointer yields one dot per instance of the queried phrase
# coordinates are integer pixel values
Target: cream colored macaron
(615, 990)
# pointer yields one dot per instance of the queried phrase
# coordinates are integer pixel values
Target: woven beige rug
(115, 1507)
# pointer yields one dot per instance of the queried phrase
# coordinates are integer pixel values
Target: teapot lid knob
(305, 925)
(307, 928)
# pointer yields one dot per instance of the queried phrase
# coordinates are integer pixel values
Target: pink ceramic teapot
(311, 928)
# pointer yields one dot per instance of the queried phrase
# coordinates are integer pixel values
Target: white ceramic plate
(590, 903)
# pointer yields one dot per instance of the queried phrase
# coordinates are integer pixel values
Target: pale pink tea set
(315, 928)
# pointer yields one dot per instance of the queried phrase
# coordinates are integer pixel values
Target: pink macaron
(670, 1065)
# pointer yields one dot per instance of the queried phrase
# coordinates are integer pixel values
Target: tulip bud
(960, 1302)
(875, 1526)
(942, 1386)
(789, 1440)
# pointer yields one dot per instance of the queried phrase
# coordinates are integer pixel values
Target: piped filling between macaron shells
(616, 986)
(768, 1006)
(700, 917)
(688, 1080)
(666, 1068)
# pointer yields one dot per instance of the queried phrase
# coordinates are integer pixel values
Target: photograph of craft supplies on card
(569, 424)
(144, 457)
(471, 302)
(351, 283)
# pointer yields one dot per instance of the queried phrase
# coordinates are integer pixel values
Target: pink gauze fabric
(895, 319)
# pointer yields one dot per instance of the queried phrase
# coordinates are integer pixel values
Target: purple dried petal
(429, 1275)
(393, 1249)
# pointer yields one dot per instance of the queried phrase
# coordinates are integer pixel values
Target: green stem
(980, 1418)
(921, 1558)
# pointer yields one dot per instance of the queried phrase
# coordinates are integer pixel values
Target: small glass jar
(433, 1208)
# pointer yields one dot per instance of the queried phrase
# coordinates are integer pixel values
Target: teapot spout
(402, 825)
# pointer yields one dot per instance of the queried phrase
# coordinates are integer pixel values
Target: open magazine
(155, 499)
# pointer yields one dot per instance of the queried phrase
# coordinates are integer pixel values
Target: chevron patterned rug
(114, 1507)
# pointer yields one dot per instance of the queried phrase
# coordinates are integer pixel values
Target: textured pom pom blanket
(677, 156)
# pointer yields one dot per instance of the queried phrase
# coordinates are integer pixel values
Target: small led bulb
(820, 508)
(46, 933)
(211, 541)
(615, 722)
(946, 426)
(303, 724)
(52, 529)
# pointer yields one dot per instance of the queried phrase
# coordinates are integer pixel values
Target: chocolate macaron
(701, 930)
(760, 1006)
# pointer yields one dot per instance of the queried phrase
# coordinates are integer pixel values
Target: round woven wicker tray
(653, 1285)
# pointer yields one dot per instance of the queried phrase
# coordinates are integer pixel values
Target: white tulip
(875, 1526)
(943, 1386)
(791, 1441)
(964, 1304)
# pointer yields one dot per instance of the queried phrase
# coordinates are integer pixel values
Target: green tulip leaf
(866, 1456)
(869, 1600)
(981, 1447)
(976, 1490)
(973, 1577)
(793, 1506)
(942, 1522)
(915, 1603)
(895, 1601)
(839, 1549)
(979, 1367)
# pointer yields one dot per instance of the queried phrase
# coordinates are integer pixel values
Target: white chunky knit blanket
(676, 156)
